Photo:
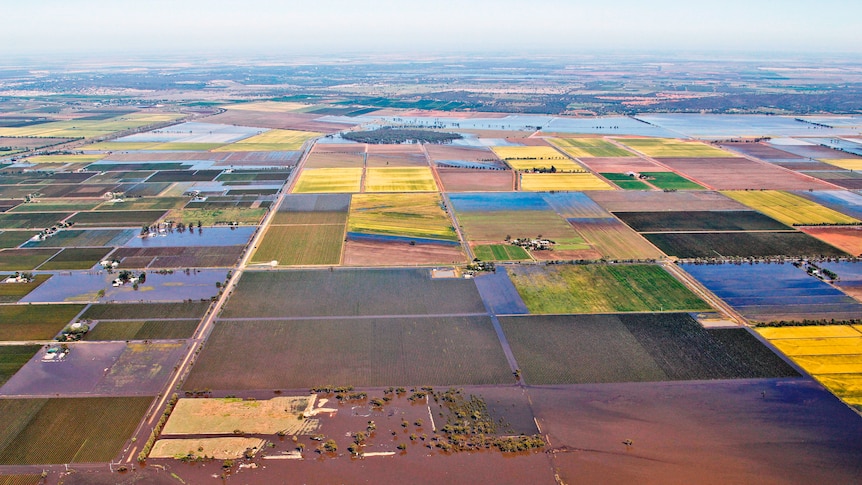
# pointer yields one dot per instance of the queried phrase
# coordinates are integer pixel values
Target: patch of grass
(301, 245)
(146, 311)
(139, 204)
(400, 179)
(13, 239)
(408, 215)
(31, 220)
(329, 180)
(57, 205)
(13, 357)
(212, 217)
(113, 218)
(789, 208)
(35, 322)
(93, 429)
(76, 258)
(24, 259)
(599, 288)
(12, 292)
(143, 330)
(671, 181)
(500, 252)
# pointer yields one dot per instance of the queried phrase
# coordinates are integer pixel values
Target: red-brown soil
(469, 180)
(380, 253)
(741, 174)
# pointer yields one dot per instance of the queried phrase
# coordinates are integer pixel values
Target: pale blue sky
(288, 27)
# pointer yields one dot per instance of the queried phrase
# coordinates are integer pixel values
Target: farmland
(13, 239)
(13, 357)
(272, 140)
(350, 292)
(500, 252)
(124, 311)
(614, 240)
(93, 436)
(672, 148)
(358, 352)
(741, 174)
(399, 179)
(790, 209)
(472, 180)
(217, 448)
(536, 157)
(135, 218)
(24, 259)
(601, 288)
(700, 221)
(223, 416)
(645, 347)
(82, 238)
(741, 244)
(301, 245)
(670, 181)
(12, 292)
(213, 217)
(35, 322)
(142, 329)
(543, 182)
(589, 147)
(329, 180)
(782, 292)
(404, 215)
(626, 182)
(832, 354)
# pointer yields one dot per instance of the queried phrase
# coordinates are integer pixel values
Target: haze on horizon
(53, 29)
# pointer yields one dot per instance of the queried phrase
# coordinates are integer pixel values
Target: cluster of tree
(391, 135)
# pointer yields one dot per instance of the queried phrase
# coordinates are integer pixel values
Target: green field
(31, 220)
(626, 182)
(92, 429)
(271, 141)
(589, 147)
(79, 238)
(146, 311)
(76, 258)
(399, 179)
(673, 148)
(671, 181)
(57, 205)
(12, 292)
(300, 354)
(35, 322)
(408, 215)
(24, 259)
(329, 180)
(788, 208)
(212, 217)
(597, 288)
(147, 203)
(500, 252)
(142, 330)
(13, 239)
(517, 224)
(13, 357)
(301, 245)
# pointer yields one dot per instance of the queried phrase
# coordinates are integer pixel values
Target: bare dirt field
(450, 152)
(625, 201)
(284, 121)
(846, 238)
(384, 253)
(469, 180)
(760, 150)
(748, 431)
(740, 173)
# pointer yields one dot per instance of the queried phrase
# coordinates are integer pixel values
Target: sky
(56, 28)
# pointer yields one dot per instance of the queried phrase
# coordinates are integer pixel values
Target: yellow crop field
(830, 364)
(529, 157)
(788, 208)
(329, 180)
(589, 147)
(406, 215)
(223, 416)
(543, 182)
(80, 158)
(399, 179)
(673, 148)
(271, 141)
(267, 107)
(845, 163)
(819, 346)
(89, 128)
(846, 386)
(819, 331)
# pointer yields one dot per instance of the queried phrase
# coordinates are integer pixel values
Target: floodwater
(730, 126)
(83, 286)
(206, 236)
